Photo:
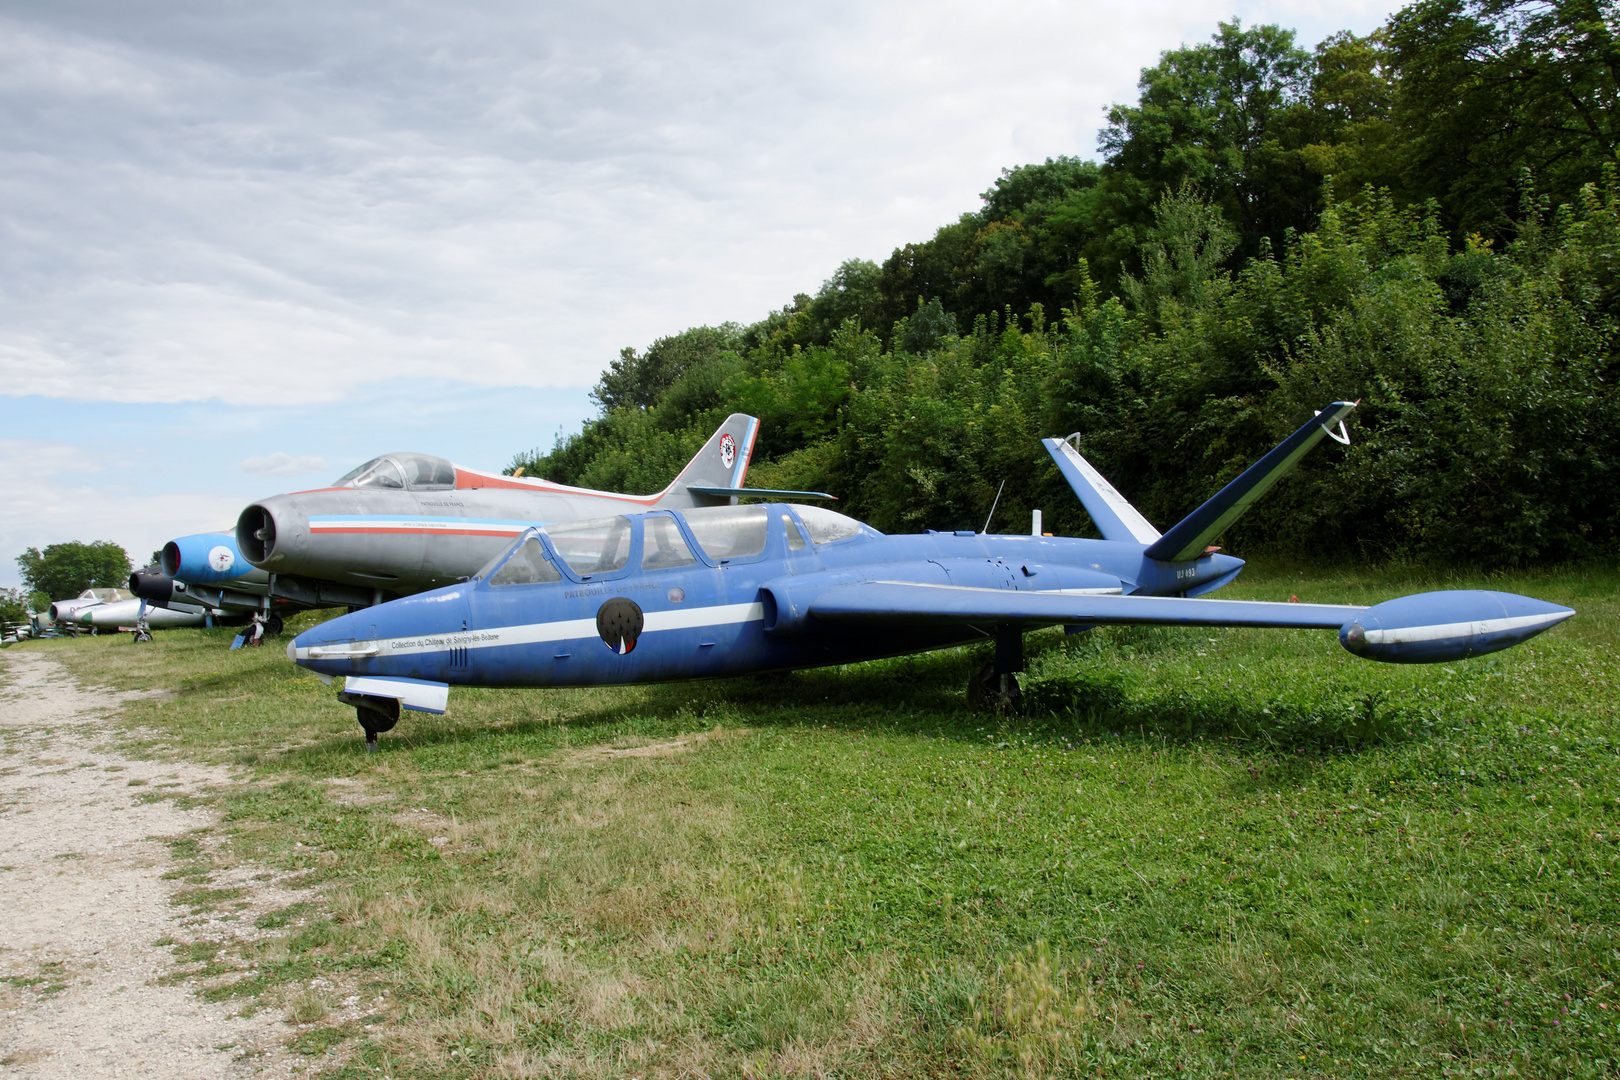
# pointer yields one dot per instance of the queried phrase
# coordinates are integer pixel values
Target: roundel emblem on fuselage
(619, 621)
(221, 559)
(728, 450)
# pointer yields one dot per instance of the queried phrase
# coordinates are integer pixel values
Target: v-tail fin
(1195, 532)
(721, 464)
(1116, 519)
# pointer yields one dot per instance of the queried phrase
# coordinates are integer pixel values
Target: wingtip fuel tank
(1429, 628)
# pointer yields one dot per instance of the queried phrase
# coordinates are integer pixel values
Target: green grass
(1197, 853)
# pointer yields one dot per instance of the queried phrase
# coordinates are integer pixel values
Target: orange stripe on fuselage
(467, 480)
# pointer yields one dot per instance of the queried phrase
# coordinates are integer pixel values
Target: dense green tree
(637, 380)
(13, 607)
(1232, 116)
(1488, 88)
(1211, 288)
(65, 570)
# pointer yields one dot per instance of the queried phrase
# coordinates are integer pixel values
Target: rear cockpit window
(826, 526)
(527, 566)
(378, 472)
(663, 546)
(729, 532)
(598, 546)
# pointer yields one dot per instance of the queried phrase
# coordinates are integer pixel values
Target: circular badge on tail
(619, 621)
(728, 450)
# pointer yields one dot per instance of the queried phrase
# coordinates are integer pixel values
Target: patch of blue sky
(143, 473)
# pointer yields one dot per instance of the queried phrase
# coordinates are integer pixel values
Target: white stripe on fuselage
(1401, 635)
(538, 633)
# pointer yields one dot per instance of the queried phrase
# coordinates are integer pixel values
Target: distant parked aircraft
(205, 574)
(405, 522)
(63, 611)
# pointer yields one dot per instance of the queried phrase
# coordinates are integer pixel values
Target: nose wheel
(376, 715)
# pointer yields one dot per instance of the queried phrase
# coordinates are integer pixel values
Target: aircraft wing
(896, 603)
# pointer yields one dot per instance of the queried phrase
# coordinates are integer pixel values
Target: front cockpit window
(598, 546)
(827, 526)
(664, 548)
(378, 472)
(729, 532)
(527, 566)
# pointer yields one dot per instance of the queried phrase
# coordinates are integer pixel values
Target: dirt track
(82, 900)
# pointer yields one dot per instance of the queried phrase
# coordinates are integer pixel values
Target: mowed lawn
(1197, 853)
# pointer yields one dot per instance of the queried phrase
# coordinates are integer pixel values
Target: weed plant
(1197, 852)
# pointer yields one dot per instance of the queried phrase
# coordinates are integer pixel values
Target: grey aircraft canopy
(416, 472)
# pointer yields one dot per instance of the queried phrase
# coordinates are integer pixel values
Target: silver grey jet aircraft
(405, 522)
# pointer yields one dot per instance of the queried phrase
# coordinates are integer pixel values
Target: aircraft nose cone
(292, 650)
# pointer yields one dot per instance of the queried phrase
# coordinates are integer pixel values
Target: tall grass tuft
(1033, 1015)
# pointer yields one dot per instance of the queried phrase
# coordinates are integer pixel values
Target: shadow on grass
(918, 695)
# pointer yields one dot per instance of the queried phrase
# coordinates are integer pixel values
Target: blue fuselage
(719, 615)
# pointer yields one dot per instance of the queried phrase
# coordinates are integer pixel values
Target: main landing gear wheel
(989, 692)
(272, 625)
(376, 715)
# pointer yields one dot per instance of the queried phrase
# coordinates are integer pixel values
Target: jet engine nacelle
(1430, 628)
(152, 586)
(208, 557)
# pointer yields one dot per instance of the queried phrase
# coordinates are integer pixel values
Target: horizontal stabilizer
(1116, 519)
(894, 603)
(1195, 532)
(774, 493)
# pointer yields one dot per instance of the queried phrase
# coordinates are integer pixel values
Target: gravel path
(82, 900)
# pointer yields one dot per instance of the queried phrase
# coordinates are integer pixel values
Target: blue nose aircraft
(731, 590)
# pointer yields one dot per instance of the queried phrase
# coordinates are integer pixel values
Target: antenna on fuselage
(993, 507)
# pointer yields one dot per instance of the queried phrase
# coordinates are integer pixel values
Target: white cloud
(281, 463)
(283, 203)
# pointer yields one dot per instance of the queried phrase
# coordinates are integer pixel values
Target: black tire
(273, 625)
(986, 693)
(375, 721)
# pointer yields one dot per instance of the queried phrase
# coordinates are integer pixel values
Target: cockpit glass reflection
(598, 546)
(826, 526)
(664, 546)
(729, 532)
(527, 566)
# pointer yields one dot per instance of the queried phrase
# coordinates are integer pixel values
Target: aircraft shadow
(920, 695)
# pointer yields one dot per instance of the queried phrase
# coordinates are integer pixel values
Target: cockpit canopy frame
(401, 470)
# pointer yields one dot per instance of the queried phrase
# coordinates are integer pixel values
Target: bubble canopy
(417, 472)
(607, 545)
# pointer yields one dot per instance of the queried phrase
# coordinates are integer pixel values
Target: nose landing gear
(376, 714)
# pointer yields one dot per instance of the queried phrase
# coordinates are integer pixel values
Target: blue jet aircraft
(204, 575)
(671, 595)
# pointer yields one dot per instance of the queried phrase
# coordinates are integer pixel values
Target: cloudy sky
(248, 245)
